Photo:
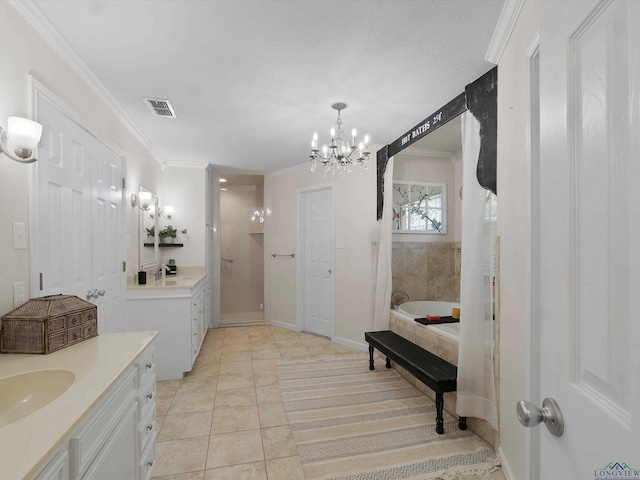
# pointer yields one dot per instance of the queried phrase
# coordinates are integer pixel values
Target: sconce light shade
(167, 212)
(142, 201)
(23, 135)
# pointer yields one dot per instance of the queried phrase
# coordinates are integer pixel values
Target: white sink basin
(28, 392)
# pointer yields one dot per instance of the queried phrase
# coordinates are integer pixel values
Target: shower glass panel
(242, 249)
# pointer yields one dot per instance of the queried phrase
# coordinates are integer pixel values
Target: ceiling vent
(160, 107)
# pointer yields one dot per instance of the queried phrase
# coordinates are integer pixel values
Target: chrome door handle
(100, 293)
(550, 414)
(91, 294)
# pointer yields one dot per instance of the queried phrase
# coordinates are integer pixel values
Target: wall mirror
(149, 238)
(419, 207)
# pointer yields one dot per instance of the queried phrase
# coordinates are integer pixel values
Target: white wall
(355, 221)
(23, 52)
(512, 226)
(184, 188)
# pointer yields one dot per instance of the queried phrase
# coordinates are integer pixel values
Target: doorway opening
(241, 249)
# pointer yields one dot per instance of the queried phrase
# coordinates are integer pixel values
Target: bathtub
(422, 309)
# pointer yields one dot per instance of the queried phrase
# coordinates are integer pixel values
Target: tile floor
(225, 419)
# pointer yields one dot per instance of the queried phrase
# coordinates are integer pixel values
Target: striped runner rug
(350, 423)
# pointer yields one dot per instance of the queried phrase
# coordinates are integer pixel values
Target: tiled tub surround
(446, 349)
(427, 271)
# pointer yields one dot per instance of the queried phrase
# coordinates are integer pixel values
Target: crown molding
(506, 23)
(39, 22)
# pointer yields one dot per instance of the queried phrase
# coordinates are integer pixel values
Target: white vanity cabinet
(176, 309)
(116, 439)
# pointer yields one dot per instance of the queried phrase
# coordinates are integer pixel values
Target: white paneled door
(317, 224)
(589, 259)
(77, 218)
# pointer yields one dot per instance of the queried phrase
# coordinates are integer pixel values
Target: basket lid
(50, 306)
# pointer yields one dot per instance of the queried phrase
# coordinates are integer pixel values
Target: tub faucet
(397, 298)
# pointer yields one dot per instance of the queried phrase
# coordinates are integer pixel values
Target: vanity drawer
(147, 459)
(88, 440)
(147, 397)
(146, 429)
(146, 367)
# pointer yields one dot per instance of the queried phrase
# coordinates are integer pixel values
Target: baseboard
(351, 343)
(288, 326)
(506, 468)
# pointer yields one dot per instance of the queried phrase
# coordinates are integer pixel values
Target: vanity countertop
(187, 277)
(97, 364)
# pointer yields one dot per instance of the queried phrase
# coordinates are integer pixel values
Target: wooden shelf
(161, 245)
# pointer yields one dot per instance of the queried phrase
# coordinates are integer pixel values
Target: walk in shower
(241, 249)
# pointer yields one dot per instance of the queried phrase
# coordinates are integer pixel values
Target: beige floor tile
(289, 343)
(268, 365)
(268, 394)
(235, 419)
(246, 471)
(265, 378)
(263, 344)
(272, 415)
(288, 468)
(233, 357)
(167, 388)
(192, 402)
(294, 352)
(236, 367)
(184, 476)
(320, 350)
(198, 385)
(180, 456)
(236, 398)
(234, 449)
(159, 422)
(162, 405)
(234, 381)
(185, 425)
(278, 442)
(265, 354)
(235, 347)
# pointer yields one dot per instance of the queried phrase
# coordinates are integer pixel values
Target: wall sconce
(23, 135)
(142, 200)
(165, 212)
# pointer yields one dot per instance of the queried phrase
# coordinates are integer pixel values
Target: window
(419, 207)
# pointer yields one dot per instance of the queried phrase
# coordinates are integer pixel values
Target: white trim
(34, 17)
(507, 471)
(350, 343)
(288, 326)
(532, 269)
(300, 254)
(506, 23)
(295, 168)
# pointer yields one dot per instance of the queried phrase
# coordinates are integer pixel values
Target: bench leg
(371, 367)
(462, 423)
(439, 413)
(388, 364)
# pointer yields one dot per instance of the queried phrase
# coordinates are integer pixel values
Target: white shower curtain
(381, 268)
(476, 382)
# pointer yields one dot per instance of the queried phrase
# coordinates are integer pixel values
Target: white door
(78, 218)
(590, 229)
(318, 261)
(108, 272)
(62, 256)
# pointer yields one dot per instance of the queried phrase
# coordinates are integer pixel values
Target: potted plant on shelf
(168, 234)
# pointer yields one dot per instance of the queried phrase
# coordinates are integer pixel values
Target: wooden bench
(436, 373)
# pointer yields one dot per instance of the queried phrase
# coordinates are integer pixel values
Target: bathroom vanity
(87, 411)
(175, 307)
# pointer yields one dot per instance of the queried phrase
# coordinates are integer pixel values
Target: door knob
(550, 414)
(100, 293)
(90, 295)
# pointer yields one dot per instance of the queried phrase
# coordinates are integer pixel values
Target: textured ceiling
(251, 80)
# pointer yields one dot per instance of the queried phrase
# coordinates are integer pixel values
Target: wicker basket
(47, 324)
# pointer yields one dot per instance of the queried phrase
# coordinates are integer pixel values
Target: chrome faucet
(162, 272)
(397, 297)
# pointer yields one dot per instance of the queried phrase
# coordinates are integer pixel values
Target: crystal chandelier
(341, 154)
